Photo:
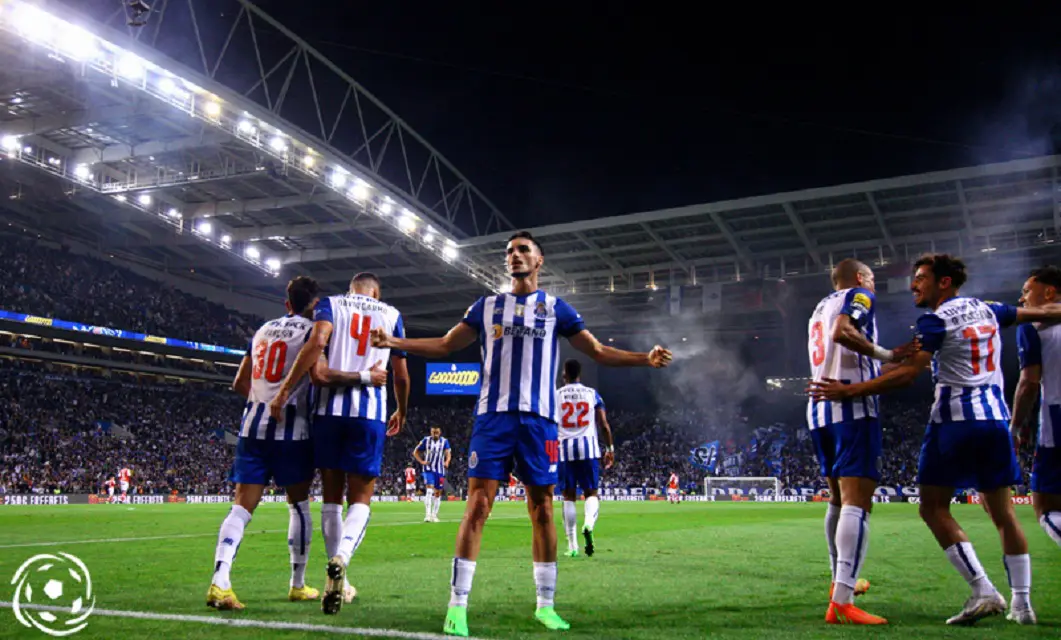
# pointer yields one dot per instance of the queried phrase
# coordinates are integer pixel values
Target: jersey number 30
(569, 412)
(269, 361)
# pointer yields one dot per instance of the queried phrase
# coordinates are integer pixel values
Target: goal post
(742, 485)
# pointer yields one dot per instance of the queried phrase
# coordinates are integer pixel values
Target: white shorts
(125, 487)
(672, 492)
(410, 487)
(110, 491)
(511, 492)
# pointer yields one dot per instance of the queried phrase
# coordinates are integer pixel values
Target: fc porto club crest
(541, 311)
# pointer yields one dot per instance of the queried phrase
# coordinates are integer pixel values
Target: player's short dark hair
(1048, 275)
(944, 265)
(365, 277)
(847, 269)
(572, 369)
(527, 235)
(301, 292)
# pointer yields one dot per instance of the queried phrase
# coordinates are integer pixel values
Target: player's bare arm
(1024, 402)
(1046, 313)
(419, 458)
(456, 339)
(903, 375)
(845, 333)
(323, 376)
(449, 456)
(402, 385)
(585, 342)
(609, 443)
(241, 384)
(308, 356)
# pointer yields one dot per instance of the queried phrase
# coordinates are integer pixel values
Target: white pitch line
(237, 622)
(204, 535)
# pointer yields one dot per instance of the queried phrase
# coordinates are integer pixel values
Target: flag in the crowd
(705, 456)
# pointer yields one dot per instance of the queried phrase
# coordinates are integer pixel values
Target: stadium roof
(226, 161)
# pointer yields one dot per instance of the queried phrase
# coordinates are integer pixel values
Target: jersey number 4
(817, 337)
(269, 361)
(569, 412)
(973, 335)
(360, 328)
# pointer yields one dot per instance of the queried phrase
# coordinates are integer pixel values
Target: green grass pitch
(695, 570)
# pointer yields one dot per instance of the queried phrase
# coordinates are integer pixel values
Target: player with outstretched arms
(434, 454)
(581, 412)
(517, 413)
(673, 492)
(842, 345)
(967, 442)
(125, 477)
(1039, 349)
(271, 448)
(410, 482)
(350, 423)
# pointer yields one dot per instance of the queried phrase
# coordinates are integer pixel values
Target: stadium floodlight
(205, 228)
(82, 172)
(33, 23)
(450, 253)
(273, 264)
(212, 109)
(386, 206)
(10, 143)
(253, 253)
(131, 67)
(407, 221)
(429, 235)
(278, 144)
(144, 199)
(246, 127)
(173, 213)
(359, 191)
(309, 161)
(338, 179)
(79, 44)
(226, 241)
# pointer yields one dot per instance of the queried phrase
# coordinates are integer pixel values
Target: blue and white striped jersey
(1043, 347)
(963, 336)
(434, 452)
(831, 360)
(273, 351)
(578, 422)
(519, 345)
(350, 349)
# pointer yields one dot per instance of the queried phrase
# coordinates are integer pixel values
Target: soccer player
(516, 416)
(410, 482)
(433, 453)
(841, 344)
(110, 489)
(673, 495)
(1040, 363)
(581, 412)
(967, 442)
(272, 448)
(124, 477)
(349, 428)
(513, 487)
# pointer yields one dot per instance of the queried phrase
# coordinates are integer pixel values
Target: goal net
(725, 486)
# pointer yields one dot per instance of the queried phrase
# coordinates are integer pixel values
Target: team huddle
(971, 439)
(322, 371)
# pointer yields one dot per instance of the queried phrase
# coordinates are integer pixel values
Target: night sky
(572, 110)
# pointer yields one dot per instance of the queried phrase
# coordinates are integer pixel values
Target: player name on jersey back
(835, 361)
(273, 351)
(963, 334)
(350, 349)
(1042, 346)
(578, 422)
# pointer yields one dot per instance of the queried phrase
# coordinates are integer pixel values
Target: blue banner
(116, 333)
(452, 378)
(705, 456)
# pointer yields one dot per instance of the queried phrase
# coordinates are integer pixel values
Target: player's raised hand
(828, 389)
(659, 357)
(379, 374)
(395, 424)
(276, 407)
(609, 460)
(380, 339)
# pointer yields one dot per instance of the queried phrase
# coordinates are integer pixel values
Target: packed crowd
(66, 431)
(39, 280)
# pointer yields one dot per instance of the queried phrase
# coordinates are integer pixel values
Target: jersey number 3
(817, 337)
(988, 331)
(269, 361)
(360, 328)
(569, 412)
